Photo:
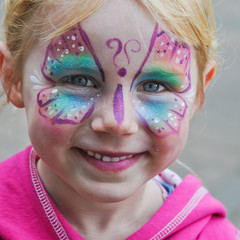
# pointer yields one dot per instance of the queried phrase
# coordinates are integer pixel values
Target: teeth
(107, 158)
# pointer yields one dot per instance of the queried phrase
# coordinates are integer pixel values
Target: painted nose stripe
(118, 105)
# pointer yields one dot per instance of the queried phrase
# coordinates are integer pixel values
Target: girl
(109, 89)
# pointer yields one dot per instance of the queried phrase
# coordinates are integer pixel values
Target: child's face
(114, 85)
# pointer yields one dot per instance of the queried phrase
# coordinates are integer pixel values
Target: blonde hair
(192, 21)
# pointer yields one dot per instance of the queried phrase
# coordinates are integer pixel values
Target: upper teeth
(107, 158)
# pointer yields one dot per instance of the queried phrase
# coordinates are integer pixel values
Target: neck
(91, 218)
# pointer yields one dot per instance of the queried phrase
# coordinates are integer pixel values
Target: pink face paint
(175, 55)
(67, 102)
(162, 113)
(122, 70)
(118, 105)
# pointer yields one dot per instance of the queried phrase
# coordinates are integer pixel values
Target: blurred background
(213, 148)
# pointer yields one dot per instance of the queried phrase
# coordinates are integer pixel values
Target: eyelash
(165, 87)
(89, 82)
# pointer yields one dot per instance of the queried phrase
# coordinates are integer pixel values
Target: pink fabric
(27, 212)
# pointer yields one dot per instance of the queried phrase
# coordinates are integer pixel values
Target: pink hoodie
(27, 212)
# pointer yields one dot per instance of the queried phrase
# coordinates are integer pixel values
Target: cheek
(162, 116)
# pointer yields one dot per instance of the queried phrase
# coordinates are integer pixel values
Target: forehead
(120, 34)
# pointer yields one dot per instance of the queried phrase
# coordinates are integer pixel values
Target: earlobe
(209, 73)
(12, 87)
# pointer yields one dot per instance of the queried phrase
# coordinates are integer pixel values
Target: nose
(115, 114)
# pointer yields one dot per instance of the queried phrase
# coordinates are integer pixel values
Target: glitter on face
(65, 102)
(161, 113)
(118, 105)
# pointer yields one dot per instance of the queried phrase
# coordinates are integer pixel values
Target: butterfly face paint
(162, 108)
(69, 61)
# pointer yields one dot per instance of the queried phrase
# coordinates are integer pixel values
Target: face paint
(173, 54)
(118, 105)
(69, 61)
(137, 48)
(162, 112)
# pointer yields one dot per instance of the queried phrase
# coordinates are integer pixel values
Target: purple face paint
(162, 112)
(122, 71)
(67, 101)
(118, 105)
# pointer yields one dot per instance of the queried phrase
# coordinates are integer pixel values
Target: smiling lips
(108, 158)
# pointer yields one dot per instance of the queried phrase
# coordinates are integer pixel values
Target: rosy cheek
(64, 107)
(162, 117)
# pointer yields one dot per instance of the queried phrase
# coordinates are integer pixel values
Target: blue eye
(152, 87)
(79, 80)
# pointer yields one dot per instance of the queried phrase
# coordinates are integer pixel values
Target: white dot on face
(179, 52)
(54, 91)
(73, 38)
(81, 48)
(58, 50)
(162, 55)
(172, 40)
(177, 60)
(162, 43)
(67, 51)
(73, 46)
(183, 104)
(59, 42)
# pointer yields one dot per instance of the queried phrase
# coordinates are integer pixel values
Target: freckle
(56, 110)
(76, 53)
(79, 44)
(164, 50)
(46, 108)
(75, 117)
(51, 73)
(175, 100)
(181, 61)
(163, 128)
(55, 105)
(152, 119)
(158, 51)
(159, 131)
(168, 43)
(80, 112)
(43, 95)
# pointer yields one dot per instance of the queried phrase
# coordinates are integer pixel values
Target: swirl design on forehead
(122, 70)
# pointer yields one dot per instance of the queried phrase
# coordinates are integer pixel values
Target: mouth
(109, 161)
(109, 157)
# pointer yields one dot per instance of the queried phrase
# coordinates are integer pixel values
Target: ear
(12, 87)
(209, 73)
